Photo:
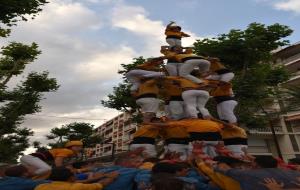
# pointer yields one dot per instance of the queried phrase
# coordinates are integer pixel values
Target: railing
(265, 130)
(291, 59)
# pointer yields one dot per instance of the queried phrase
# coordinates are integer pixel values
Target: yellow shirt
(175, 34)
(199, 125)
(147, 131)
(150, 66)
(148, 87)
(174, 131)
(223, 181)
(233, 132)
(215, 66)
(182, 56)
(59, 185)
(170, 88)
(146, 166)
(61, 152)
(222, 90)
(185, 83)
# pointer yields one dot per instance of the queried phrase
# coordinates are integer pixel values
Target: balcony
(265, 131)
(291, 59)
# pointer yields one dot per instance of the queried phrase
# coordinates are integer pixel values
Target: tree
(74, 131)
(12, 11)
(22, 99)
(248, 54)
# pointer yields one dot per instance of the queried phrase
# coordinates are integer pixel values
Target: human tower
(185, 83)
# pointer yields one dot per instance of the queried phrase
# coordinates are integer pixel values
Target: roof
(288, 51)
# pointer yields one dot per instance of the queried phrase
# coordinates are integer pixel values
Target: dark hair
(227, 160)
(79, 165)
(152, 159)
(165, 182)
(265, 161)
(15, 171)
(294, 161)
(60, 174)
(165, 167)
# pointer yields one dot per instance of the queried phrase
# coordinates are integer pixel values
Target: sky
(84, 42)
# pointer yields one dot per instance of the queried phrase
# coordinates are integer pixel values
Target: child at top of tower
(173, 34)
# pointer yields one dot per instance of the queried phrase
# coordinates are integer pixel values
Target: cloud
(288, 5)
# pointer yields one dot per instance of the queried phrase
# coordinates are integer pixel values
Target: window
(294, 143)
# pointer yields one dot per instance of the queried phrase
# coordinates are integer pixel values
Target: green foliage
(12, 11)
(23, 98)
(74, 131)
(248, 54)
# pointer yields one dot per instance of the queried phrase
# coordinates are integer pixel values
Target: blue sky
(84, 42)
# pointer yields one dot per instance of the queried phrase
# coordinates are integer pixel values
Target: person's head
(183, 169)
(61, 174)
(78, 165)
(295, 161)
(165, 167)
(148, 116)
(152, 160)
(176, 49)
(166, 182)
(75, 146)
(232, 162)
(129, 161)
(265, 161)
(18, 171)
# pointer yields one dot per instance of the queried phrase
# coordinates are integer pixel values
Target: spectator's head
(76, 146)
(265, 161)
(18, 171)
(3, 167)
(232, 162)
(78, 165)
(164, 182)
(61, 174)
(165, 167)
(129, 161)
(152, 160)
(295, 161)
(183, 169)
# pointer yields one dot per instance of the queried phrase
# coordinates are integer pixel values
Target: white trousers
(179, 148)
(173, 68)
(41, 166)
(226, 111)
(193, 100)
(176, 110)
(149, 149)
(237, 150)
(226, 77)
(173, 42)
(134, 76)
(189, 65)
(148, 105)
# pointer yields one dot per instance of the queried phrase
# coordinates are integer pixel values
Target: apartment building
(287, 127)
(117, 133)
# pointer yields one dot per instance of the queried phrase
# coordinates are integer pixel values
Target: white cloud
(288, 5)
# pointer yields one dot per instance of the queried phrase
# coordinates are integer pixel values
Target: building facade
(117, 133)
(287, 126)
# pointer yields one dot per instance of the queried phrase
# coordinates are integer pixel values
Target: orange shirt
(178, 35)
(147, 131)
(185, 83)
(150, 66)
(199, 125)
(59, 185)
(61, 152)
(174, 131)
(215, 66)
(148, 87)
(233, 132)
(223, 90)
(170, 88)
